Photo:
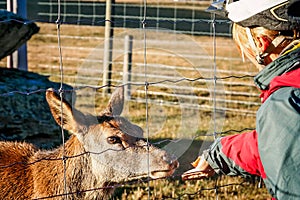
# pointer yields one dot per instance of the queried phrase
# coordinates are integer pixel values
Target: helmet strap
(260, 56)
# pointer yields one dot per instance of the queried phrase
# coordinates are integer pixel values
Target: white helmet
(272, 14)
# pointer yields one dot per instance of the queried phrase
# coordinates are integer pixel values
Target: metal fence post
(18, 59)
(11, 59)
(127, 66)
(22, 51)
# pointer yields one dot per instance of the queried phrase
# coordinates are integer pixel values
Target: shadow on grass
(190, 155)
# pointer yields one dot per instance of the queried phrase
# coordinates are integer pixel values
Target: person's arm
(229, 155)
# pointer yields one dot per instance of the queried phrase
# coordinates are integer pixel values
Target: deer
(101, 152)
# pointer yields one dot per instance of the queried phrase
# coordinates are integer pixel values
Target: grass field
(77, 42)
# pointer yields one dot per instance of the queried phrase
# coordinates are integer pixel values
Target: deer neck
(76, 166)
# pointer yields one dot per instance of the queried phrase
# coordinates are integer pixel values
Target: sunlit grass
(164, 122)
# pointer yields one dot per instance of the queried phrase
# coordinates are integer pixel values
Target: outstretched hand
(201, 170)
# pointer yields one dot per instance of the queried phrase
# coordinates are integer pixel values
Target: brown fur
(93, 159)
(15, 174)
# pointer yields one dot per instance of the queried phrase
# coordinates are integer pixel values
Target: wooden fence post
(127, 66)
(108, 44)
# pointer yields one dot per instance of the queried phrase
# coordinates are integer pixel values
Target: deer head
(116, 148)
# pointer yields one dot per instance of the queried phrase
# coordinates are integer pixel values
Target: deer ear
(62, 111)
(116, 102)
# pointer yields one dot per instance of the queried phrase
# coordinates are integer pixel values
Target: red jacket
(272, 150)
(242, 148)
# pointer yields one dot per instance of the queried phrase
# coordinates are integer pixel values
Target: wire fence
(163, 43)
(178, 62)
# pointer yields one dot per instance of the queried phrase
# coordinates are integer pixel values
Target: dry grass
(78, 41)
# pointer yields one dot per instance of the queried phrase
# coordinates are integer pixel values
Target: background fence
(167, 22)
(181, 57)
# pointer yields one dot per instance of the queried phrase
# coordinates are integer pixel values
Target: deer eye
(113, 140)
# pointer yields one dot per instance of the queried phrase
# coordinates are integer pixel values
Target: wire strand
(58, 23)
(146, 91)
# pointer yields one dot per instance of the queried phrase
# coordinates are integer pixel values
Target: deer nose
(171, 160)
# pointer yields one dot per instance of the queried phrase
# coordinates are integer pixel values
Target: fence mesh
(198, 87)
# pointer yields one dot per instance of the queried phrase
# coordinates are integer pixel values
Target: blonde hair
(241, 38)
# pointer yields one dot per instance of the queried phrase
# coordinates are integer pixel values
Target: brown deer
(102, 151)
